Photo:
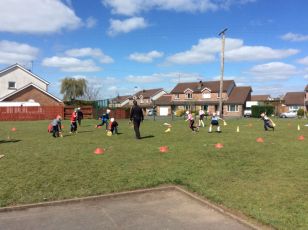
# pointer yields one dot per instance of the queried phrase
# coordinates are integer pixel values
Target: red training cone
(219, 146)
(260, 140)
(99, 151)
(13, 129)
(301, 138)
(163, 149)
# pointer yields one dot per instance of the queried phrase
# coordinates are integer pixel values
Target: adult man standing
(136, 115)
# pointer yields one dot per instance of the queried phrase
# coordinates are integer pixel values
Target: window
(294, 107)
(189, 95)
(12, 85)
(232, 108)
(206, 95)
(187, 107)
(177, 96)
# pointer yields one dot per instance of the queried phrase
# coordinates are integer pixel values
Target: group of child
(214, 121)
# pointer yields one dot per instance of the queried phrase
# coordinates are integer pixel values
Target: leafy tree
(72, 88)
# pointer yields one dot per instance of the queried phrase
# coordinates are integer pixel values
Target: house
(119, 101)
(196, 95)
(261, 98)
(18, 84)
(294, 100)
(306, 98)
(146, 99)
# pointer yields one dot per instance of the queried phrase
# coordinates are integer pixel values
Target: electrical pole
(222, 67)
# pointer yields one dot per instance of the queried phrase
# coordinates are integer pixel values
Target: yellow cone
(167, 130)
(237, 129)
(298, 127)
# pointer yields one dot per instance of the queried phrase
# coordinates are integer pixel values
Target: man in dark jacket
(136, 115)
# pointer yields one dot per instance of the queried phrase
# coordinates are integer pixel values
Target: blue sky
(120, 46)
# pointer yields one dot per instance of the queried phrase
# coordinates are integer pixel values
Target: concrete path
(159, 209)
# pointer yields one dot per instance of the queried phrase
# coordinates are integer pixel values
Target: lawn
(266, 181)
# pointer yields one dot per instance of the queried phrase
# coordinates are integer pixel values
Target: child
(56, 126)
(74, 122)
(215, 122)
(105, 119)
(201, 116)
(191, 120)
(113, 127)
(268, 123)
(79, 116)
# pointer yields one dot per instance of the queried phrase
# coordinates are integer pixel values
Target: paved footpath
(161, 209)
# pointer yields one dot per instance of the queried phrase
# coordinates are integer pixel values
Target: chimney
(200, 85)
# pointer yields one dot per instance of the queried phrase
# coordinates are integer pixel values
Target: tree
(92, 93)
(72, 88)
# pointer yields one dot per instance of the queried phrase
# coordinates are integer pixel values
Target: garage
(163, 111)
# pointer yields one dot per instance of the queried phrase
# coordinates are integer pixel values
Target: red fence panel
(30, 113)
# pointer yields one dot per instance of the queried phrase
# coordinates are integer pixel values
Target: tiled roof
(164, 100)
(148, 93)
(294, 98)
(239, 95)
(260, 97)
(120, 99)
(197, 87)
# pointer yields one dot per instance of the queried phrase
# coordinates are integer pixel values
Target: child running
(191, 120)
(105, 119)
(56, 127)
(268, 123)
(215, 122)
(74, 122)
(201, 117)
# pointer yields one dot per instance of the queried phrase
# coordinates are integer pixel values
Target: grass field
(266, 181)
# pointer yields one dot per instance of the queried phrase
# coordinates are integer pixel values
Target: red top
(74, 117)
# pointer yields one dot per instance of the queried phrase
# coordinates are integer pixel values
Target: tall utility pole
(222, 67)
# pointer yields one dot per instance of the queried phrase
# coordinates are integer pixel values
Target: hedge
(256, 110)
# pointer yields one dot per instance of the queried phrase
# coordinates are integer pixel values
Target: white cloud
(70, 64)
(146, 57)
(13, 52)
(90, 52)
(294, 37)
(173, 77)
(255, 53)
(208, 50)
(273, 71)
(126, 26)
(36, 16)
(90, 22)
(134, 7)
(303, 61)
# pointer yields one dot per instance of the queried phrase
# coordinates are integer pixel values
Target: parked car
(247, 112)
(290, 114)
(152, 112)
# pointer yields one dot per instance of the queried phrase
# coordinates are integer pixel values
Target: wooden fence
(86, 110)
(30, 113)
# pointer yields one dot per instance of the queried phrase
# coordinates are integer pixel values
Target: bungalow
(146, 99)
(119, 101)
(205, 95)
(294, 100)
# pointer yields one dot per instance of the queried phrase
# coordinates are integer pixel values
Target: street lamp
(222, 65)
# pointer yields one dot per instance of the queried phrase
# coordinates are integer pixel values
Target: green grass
(266, 181)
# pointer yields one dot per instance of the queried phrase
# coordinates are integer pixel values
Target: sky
(122, 46)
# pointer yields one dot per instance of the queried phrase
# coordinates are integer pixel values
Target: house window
(12, 85)
(189, 95)
(177, 96)
(187, 107)
(206, 95)
(233, 108)
(294, 107)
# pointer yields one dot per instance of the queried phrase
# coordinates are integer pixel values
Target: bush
(179, 112)
(300, 112)
(256, 110)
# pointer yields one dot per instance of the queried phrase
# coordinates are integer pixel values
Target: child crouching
(113, 126)
(56, 127)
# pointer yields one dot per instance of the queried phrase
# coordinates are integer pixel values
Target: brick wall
(35, 94)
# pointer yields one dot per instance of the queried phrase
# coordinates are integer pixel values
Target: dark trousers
(267, 125)
(191, 125)
(114, 130)
(55, 131)
(136, 128)
(74, 126)
(79, 122)
(103, 122)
